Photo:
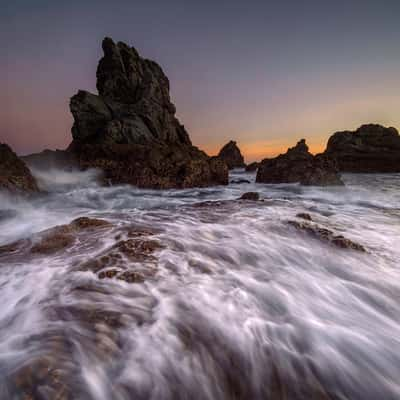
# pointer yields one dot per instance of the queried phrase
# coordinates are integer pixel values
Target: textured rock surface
(130, 130)
(327, 235)
(299, 165)
(371, 148)
(232, 156)
(14, 174)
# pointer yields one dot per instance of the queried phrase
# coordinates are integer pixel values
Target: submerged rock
(299, 165)
(370, 148)
(15, 176)
(327, 235)
(232, 156)
(130, 130)
(55, 239)
(131, 260)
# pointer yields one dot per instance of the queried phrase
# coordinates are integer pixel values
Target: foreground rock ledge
(299, 165)
(129, 130)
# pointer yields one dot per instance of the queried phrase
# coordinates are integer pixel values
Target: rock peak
(231, 155)
(130, 131)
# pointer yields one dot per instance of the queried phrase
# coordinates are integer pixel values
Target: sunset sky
(264, 73)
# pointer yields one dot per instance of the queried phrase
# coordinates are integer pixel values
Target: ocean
(234, 302)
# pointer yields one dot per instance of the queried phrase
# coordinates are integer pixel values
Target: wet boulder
(15, 176)
(370, 148)
(231, 155)
(298, 165)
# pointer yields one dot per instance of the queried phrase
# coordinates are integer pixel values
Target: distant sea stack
(15, 176)
(232, 156)
(129, 130)
(252, 166)
(371, 148)
(299, 165)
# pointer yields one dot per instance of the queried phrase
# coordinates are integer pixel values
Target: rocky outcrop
(299, 165)
(232, 156)
(129, 130)
(15, 176)
(252, 166)
(371, 148)
(327, 235)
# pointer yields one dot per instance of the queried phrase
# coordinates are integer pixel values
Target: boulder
(370, 148)
(129, 130)
(15, 176)
(299, 165)
(232, 156)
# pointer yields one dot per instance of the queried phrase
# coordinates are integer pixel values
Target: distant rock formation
(15, 176)
(371, 148)
(252, 166)
(130, 130)
(299, 165)
(232, 156)
(51, 159)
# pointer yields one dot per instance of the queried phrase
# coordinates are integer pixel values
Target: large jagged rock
(130, 130)
(231, 155)
(299, 165)
(371, 148)
(14, 174)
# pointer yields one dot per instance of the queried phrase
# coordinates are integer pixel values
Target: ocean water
(239, 305)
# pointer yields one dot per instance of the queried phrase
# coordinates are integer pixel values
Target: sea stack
(129, 130)
(232, 156)
(370, 148)
(298, 165)
(15, 176)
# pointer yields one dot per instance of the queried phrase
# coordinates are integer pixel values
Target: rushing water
(241, 306)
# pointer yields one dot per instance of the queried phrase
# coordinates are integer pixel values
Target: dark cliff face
(371, 148)
(14, 174)
(232, 156)
(130, 131)
(299, 165)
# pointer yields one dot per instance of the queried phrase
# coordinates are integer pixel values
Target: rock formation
(299, 165)
(371, 148)
(130, 130)
(14, 174)
(252, 166)
(232, 156)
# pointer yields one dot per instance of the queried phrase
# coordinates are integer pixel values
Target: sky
(263, 73)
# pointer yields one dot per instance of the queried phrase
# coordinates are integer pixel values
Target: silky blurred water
(242, 306)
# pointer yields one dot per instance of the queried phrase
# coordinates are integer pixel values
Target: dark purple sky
(261, 72)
